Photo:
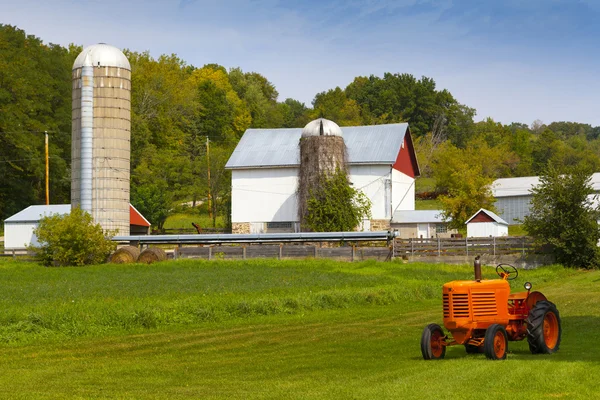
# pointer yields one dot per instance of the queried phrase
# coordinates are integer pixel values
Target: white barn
(513, 196)
(485, 223)
(265, 164)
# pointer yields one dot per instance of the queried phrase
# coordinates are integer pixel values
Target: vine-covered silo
(322, 152)
(101, 126)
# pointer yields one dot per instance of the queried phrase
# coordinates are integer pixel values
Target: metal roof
(102, 55)
(373, 144)
(417, 216)
(35, 213)
(490, 214)
(508, 187)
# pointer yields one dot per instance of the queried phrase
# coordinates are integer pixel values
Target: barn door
(423, 231)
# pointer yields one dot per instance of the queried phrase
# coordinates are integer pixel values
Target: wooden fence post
(243, 252)
(353, 249)
(439, 247)
(280, 250)
(316, 253)
(412, 246)
(467, 245)
(210, 253)
(494, 238)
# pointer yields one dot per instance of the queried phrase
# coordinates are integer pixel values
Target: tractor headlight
(527, 285)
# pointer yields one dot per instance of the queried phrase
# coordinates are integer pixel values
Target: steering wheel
(508, 271)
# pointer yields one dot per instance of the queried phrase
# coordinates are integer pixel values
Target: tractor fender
(533, 298)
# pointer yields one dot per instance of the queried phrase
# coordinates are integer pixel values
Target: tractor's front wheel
(433, 342)
(495, 343)
(543, 328)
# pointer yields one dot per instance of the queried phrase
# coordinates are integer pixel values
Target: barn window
(441, 228)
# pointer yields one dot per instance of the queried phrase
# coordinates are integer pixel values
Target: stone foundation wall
(240, 227)
(380, 225)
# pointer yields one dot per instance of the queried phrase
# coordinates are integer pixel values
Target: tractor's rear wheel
(495, 343)
(543, 328)
(433, 342)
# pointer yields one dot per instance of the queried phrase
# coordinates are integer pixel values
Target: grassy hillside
(265, 329)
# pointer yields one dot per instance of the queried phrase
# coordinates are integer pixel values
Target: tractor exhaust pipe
(477, 268)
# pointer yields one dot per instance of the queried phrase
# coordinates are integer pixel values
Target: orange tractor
(483, 316)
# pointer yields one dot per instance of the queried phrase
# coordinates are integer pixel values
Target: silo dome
(321, 127)
(102, 55)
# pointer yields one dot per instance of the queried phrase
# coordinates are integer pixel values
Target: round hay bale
(125, 255)
(152, 254)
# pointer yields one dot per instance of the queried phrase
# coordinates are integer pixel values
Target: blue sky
(511, 60)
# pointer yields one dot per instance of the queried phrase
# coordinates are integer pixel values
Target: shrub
(72, 239)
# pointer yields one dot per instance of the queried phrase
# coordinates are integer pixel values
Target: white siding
(513, 209)
(371, 180)
(269, 194)
(263, 195)
(403, 191)
(18, 235)
(486, 229)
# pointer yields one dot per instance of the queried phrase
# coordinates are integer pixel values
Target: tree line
(187, 119)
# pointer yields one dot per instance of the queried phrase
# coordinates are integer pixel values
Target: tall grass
(45, 303)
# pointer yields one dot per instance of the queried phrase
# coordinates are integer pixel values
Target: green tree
(334, 105)
(563, 215)
(72, 239)
(470, 191)
(335, 206)
(35, 96)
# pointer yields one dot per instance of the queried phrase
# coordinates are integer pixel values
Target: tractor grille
(460, 305)
(484, 304)
(446, 305)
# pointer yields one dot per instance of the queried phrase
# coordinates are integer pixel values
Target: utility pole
(208, 173)
(47, 169)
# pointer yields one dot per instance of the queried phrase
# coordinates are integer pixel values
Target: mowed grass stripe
(349, 349)
(311, 358)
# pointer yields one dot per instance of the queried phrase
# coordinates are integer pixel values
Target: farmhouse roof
(35, 213)
(489, 214)
(262, 148)
(417, 216)
(509, 187)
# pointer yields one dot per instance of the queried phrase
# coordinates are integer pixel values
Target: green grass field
(184, 221)
(270, 329)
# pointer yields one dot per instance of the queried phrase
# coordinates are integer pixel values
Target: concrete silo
(101, 125)
(322, 151)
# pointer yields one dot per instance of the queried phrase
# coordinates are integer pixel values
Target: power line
(29, 159)
(42, 132)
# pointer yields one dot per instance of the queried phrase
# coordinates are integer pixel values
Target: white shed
(421, 224)
(485, 223)
(265, 165)
(18, 229)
